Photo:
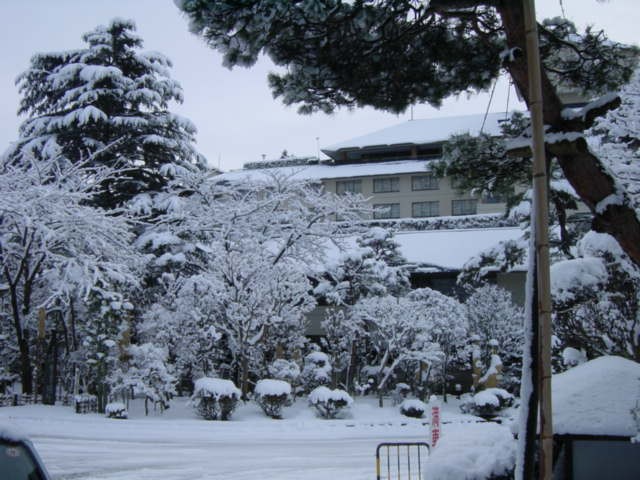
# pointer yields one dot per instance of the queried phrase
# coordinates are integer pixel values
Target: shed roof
(596, 398)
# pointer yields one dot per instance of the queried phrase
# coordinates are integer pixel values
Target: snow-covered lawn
(179, 446)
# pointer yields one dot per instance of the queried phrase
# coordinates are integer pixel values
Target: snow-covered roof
(596, 398)
(442, 249)
(450, 249)
(423, 131)
(328, 171)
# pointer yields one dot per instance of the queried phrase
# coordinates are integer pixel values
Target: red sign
(435, 425)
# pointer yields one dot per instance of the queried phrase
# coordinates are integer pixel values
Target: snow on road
(178, 446)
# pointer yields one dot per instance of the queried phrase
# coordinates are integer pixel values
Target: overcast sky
(237, 118)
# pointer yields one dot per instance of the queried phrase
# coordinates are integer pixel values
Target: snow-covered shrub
(572, 357)
(329, 403)
(85, 403)
(316, 371)
(400, 393)
(286, 370)
(214, 398)
(116, 410)
(488, 403)
(413, 408)
(147, 373)
(272, 395)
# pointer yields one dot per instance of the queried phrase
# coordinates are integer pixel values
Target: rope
(484, 120)
(506, 111)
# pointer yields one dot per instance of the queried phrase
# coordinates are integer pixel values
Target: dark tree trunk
(26, 370)
(50, 371)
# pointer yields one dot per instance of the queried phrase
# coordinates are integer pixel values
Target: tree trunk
(244, 377)
(50, 371)
(26, 371)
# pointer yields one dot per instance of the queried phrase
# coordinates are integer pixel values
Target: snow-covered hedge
(488, 403)
(413, 408)
(329, 403)
(215, 398)
(85, 403)
(116, 410)
(272, 396)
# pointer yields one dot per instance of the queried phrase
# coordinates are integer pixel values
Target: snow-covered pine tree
(617, 139)
(107, 101)
(596, 299)
(374, 268)
(493, 316)
(146, 373)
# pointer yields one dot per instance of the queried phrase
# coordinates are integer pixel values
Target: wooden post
(541, 220)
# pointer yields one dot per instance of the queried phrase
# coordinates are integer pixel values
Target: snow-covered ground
(179, 446)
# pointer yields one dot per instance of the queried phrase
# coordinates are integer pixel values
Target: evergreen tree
(596, 299)
(107, 103)
(618, 139)
(495, 319)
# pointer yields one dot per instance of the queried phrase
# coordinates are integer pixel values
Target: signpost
(435, 421)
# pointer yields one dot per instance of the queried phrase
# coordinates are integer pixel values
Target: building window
(464, 207)
(348, 186)
(424, 182)
(386, 210)
(385, 185)
(425, 209)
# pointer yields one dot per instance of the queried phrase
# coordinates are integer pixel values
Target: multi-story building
(392, 169)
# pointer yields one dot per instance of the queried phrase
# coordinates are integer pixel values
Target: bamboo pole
(541, 219)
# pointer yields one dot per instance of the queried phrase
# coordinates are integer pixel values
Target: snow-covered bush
(400, 393)
(272, 395)
(286, 370)
(85, 403)
(488, 403)
(316, 371)
(572, 357)
(329, 403)
(116, 410)
(214, 398)
(413, 408)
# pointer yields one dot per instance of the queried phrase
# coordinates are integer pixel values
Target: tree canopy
(390, 54)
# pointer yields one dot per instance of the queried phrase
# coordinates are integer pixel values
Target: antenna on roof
(411, 111)
(506, 110)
